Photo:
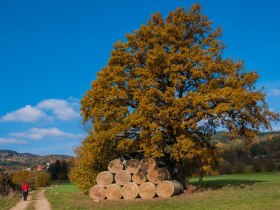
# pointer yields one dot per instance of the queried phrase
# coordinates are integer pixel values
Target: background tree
(58, 170)
(6, 185)
(165, 92)
(42, 179)
(21, 177)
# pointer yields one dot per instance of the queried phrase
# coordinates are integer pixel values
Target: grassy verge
(237, 179)
(236, 191)
(9, 201)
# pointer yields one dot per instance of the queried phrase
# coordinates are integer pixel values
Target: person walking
(24, 190)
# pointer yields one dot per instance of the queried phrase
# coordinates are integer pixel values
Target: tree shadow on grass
(217, 184)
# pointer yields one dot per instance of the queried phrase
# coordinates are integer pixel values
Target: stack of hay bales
(134, 179)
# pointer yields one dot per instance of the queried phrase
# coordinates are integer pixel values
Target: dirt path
(40, 202)
(21, 205)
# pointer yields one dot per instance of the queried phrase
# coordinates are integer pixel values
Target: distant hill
(11, 153)
(12, 161)
(221, 137)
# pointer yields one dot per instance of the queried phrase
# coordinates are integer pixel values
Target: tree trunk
(130, 190)
(113, 192)
(148, 164)
(133, 166)
(147, 190)
(104, 178)
(97, 193)
(158, 174)
(122, 177)
(115, 166)
(139, 177)
(167, 189)
(179, 173)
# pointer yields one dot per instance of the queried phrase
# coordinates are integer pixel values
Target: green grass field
(7, 202)
(236, 191)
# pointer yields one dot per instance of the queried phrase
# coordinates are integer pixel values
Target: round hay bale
(147, 190)
(139, 177)
(122, 177)
(115, 166)
(97, 193)
(104, 178)
(113, 192)
(148, 164)
(130, 190)
(133, 166)
(167, 189)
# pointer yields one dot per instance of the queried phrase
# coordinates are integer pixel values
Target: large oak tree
(165, 91)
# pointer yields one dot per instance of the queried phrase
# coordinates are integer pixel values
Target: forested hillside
(14, 161)
(263, 154)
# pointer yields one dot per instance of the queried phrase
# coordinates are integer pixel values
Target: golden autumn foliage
(165, 91)
(93, 156)
(21, 177)
(42, 179)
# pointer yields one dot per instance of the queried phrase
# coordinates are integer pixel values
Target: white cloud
(274, 92)
(61, 108)
(42, 133)
(45, 110)
(25, 114)
(11, 141)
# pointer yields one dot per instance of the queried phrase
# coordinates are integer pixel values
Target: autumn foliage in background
(165, 92)
(33, 179)
(19, 178)
(42, 179)
(6, 185)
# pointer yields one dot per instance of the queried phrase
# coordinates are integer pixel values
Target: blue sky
(50, 51)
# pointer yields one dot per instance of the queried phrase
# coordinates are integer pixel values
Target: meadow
(7, 202)
(234, 191)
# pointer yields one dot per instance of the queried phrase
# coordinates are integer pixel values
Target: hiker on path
(25, 191)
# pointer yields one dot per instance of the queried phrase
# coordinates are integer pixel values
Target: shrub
(278, 168)
(225, 167)
(21, 177)
(42, 179)
(6, 185)
(269, 166)
(239, 167)
(59, 170)
(257, 165)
